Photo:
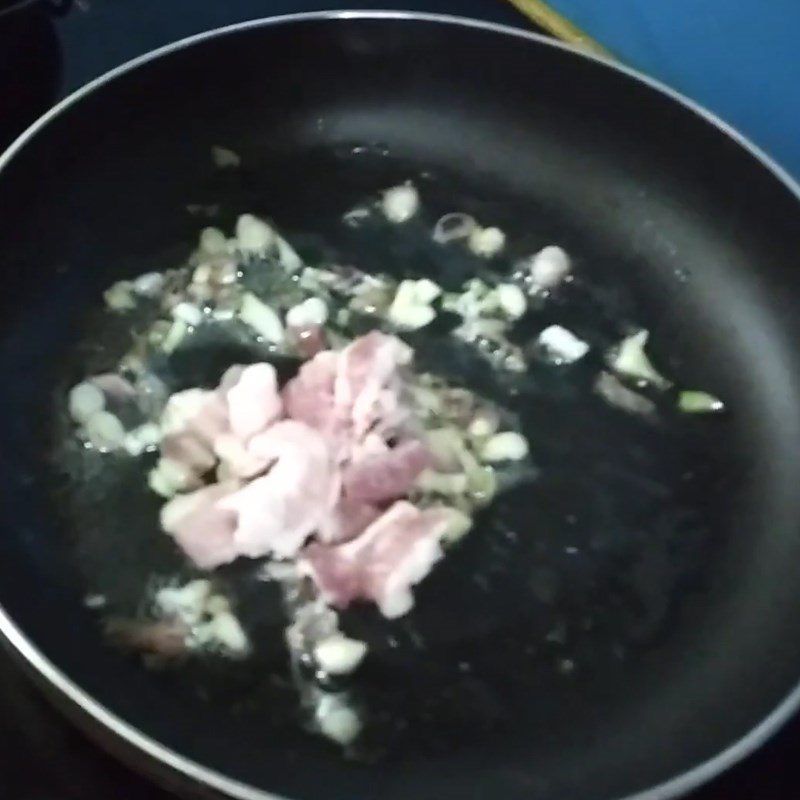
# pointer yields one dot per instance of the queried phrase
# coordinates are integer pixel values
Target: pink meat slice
(346, 395)
(276, 513)
(327, 469)
(204, 426)
(308, 397)
(253, 400)
(385, 476)
(347, 520)
(368, 381)
(201, 527)
(393, 554)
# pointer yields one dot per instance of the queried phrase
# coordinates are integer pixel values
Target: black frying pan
(639, 628)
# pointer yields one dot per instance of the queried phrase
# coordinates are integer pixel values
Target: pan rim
(66, 687)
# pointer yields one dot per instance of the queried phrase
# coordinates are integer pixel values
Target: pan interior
(633, 616)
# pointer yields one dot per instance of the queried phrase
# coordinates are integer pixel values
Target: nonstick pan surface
(635, 625)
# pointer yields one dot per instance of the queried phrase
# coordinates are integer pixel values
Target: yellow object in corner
(548, 18)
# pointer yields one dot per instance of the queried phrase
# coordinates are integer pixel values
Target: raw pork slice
(347, 520)
(386, 476)
(308, 397)
(368, 380)
(276, 513)
(347, 394)
(393, 554)
(253, 401)
(202, 426)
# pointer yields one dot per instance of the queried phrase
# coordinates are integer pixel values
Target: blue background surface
(739, 58)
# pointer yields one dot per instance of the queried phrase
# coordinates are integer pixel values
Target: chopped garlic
(695, 402)
(287, 255)
(400, 203)
(511, 300)
(562, 346)
(308, 313)
(411, 308)
(337, 720)
(208, 617)
(505, 446)
(458, 524)
(548, 267)
(355, 216)
(483, 424)
(630, 359)
(476, 300)
(615, 393)
(217, 604)
(444, 483)
(261, 318)
(175, 335)
(253, 235)
(202, 274)
(185, 602)
(149, 284)
(426, 291)
(145, 437)
(188, 313)
(413, 317)
(213, 242)
(446, 446)
(105, 431)
(406, 294)
(222, 631)
(119, 297)
(224, 157)
(85, 400)
(339, 655)
(482, 485)
(486, 242)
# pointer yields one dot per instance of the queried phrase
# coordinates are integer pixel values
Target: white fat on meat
(253, 401)
(201, 427)
(383, 564)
